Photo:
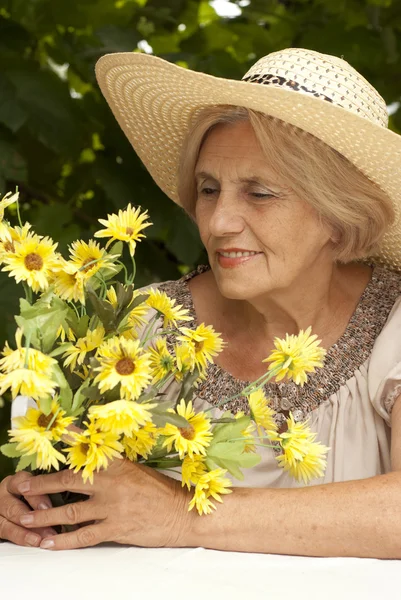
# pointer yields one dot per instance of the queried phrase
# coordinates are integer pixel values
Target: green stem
(149, 329)
(132, 279)
(248, 389)
(27, 346)
(18, 213)
(28, 292)
(53, 419)
(118, 262)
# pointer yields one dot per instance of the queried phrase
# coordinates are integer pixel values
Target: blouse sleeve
(384, 369)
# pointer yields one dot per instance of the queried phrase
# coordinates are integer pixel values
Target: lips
(232, 257)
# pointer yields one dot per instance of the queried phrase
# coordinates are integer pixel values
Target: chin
(236, 290)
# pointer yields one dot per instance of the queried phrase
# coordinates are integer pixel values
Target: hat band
(270, 79)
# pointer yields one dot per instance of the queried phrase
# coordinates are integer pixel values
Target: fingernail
(24, 487)
(43, 506)
(26, 519)
(32, 539)
(49, 532)
(46, 544)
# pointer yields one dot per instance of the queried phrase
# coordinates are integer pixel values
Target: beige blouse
(348, 401)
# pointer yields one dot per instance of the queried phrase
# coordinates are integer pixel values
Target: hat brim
(155, 101)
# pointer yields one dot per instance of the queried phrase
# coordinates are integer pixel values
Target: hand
(12, 508)
(128, 503)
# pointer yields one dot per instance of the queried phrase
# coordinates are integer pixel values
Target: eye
(208, 191)
(262, 195)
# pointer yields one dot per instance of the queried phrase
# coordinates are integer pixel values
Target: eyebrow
(251, 179)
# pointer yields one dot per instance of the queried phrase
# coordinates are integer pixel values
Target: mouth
(229, 259)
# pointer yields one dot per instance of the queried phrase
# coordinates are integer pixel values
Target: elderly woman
(293, 181)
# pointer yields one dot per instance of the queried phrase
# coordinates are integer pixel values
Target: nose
(226, 218)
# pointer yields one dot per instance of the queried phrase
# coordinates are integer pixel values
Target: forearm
(359, 518)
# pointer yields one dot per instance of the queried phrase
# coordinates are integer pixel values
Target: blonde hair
(357, 210)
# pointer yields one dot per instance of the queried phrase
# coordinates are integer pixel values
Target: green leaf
(41, 321)
(25, 462)
(187, 388)
(92, 393)
(227, 431)
(161, 418)
(79, 397)
(103, 310)
(10, 450)
(116, 249)
(65, 393)
(231, 456)
(46, 404)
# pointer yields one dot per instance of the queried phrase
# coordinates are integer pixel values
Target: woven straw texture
(155, 101)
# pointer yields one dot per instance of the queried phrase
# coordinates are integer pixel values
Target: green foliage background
(59, 141)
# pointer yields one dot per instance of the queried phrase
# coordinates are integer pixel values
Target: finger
(52, 483)
(18, 535)
(14, 508)
(69, 514)
(41, 501)
(81, 538)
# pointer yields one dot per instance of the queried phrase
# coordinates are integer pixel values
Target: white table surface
(111, 571)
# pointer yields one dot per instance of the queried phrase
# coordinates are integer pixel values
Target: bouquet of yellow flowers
(95, 368)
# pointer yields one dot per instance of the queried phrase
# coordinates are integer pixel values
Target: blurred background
(61, 145)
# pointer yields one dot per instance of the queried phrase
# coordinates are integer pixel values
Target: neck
(314, 299)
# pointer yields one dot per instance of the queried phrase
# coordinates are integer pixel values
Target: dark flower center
(84, 448)
(125, 366)
(33, 262)
(86, 262)
(129, 230)
(44, 420)
(199, 346)
(187, 432)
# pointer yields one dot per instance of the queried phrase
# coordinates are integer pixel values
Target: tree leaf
(10, 450)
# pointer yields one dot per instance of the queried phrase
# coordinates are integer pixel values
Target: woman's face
(259, 236)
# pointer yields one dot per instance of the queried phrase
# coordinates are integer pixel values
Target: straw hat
(155, 101)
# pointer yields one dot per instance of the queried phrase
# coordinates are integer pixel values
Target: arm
(355, 518)
(360, 518)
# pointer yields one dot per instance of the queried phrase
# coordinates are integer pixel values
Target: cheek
(202, 219)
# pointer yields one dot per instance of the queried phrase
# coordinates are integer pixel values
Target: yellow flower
(27, 383)
(33, 261)
(10, 235)
(205, 341)
(302, 456)
(295, 356)
(136, 316)
(192, 439)
(87, 258)
(192, 469)
(141, 442)
(31, 441)
(185, 360)
(121, 416)
(92, 450)
(8, 199)
(123, 362)
(77, 353)
(61, 334)
(212, 484)
(27, 372)
(247, 433)
(68, 284)
(15, 359)
(55, 422)
(166, 306)
(126, 226)
(162, 363)
(261, 412)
